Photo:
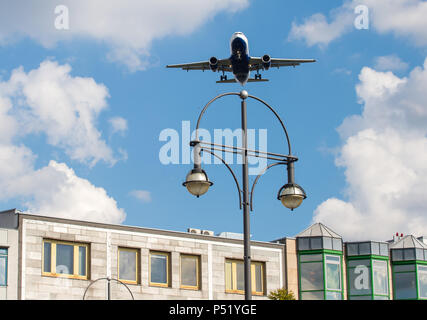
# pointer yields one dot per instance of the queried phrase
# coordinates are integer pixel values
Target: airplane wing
(223, 65)
(257, 64)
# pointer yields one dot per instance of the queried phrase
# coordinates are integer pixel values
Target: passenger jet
(240, 63)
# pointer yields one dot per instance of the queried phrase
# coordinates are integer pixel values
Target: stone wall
(104, 243)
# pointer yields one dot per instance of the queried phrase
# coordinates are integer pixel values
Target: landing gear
(258, 76)
(223, 78)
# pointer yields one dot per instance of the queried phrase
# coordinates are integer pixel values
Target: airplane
(240, 63)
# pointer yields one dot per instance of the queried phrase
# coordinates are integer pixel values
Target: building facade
(52, 258)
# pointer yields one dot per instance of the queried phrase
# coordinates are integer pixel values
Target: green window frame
(128, 257)
(3, 267)
(65, 259)
(371, 262)
(414, 271)
(320, 265)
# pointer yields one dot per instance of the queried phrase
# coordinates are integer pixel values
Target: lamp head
(197, 182)
(291, 195)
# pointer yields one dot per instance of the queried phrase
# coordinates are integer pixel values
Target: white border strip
(24, 258)
(210, 275)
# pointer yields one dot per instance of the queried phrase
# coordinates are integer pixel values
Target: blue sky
(110, 163)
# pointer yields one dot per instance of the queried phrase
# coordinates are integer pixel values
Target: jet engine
(266, 61)
(213, 63)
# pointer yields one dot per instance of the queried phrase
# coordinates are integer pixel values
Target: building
(52, 258)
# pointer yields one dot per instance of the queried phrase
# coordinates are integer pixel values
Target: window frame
(168, 269)
(322, 259)
(339, 264)
(370, 259)
(253, 277)
(5, 257)
(198, 273)
(76, 246)
(418, 279)
(137, 264)
(415, 264)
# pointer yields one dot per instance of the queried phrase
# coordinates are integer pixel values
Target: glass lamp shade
(197, 182)
(291, 195)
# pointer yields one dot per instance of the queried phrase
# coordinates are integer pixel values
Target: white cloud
(385, 160)
(55, 190)
(316, 30)
(64, 108)
(118, 125)
(403, 18)
(390, 63)
(128, 26)
(141, 195)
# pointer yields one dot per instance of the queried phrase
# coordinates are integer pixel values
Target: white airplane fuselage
(240, 58)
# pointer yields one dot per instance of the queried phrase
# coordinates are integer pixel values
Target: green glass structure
(409, 267)
(367, 270)
(320, 264)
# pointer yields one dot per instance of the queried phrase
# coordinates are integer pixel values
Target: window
(319, 243)
(65, 259)
(333, 273)
(160, 269)
(404, 285)
(337, 244)
(311, 276)
(422, 281)
(384, 249)
(367, 248)
(190, 272)
(410, 281)
(380, 274)
(235, 277)
(128, 265)
(397, 254)
(320, 276)
(367, 279)
(359, 277)
(3, 267)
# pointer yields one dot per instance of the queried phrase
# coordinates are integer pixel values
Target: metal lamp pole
(246, 218)
(197, 182)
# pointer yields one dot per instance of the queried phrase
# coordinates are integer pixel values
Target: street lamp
(291, 195)
(197, 183)
(108, 279)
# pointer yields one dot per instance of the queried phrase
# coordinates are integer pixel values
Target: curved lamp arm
(207, 106)
(278, 118)
(232, 173)
(249, 96)
(259, 176)
(108, 279)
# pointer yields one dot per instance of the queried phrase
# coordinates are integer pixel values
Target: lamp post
(108, 279)
(197, 182)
